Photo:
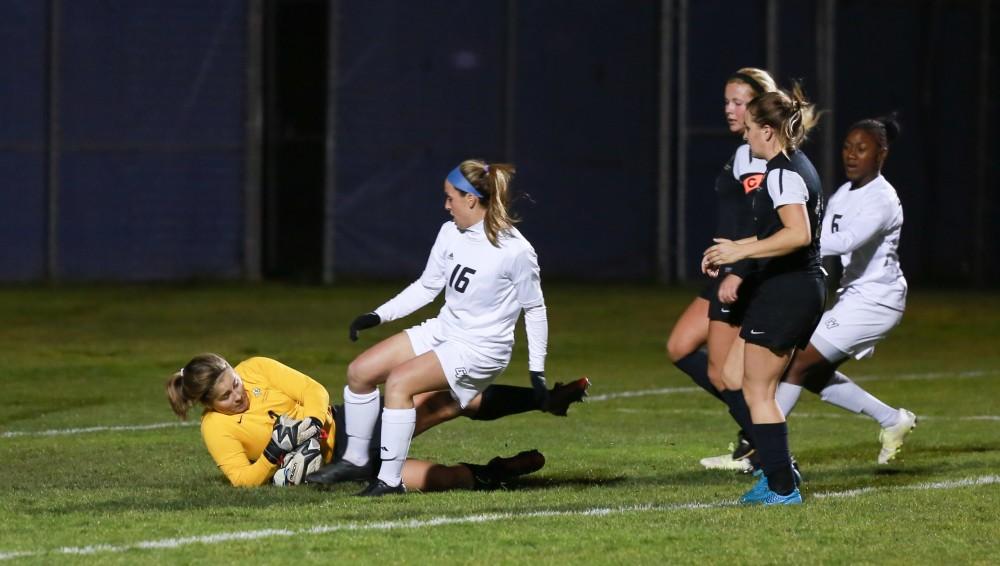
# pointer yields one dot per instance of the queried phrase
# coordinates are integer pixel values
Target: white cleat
(726, 462)
(892, 437)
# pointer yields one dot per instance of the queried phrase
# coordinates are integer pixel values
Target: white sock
(844, 393)
(787, 396)
(360, 414)
(397, 431)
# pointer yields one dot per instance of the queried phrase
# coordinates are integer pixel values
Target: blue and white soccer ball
(299, 463)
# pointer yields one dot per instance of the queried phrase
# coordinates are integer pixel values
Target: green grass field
(621, 484)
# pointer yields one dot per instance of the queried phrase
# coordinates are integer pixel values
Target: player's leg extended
(842, 392)
(495, 402)
(838, 390)
(361, 395)
(421, 374)
(683, 347)
(423, 475)
(762, 370)
(851, 329)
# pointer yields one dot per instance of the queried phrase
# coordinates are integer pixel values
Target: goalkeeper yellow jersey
(236, 442)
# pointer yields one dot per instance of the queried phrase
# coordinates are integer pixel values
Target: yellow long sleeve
(237, 442)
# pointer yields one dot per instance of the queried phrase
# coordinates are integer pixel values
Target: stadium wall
(136, 138)
(127, 160)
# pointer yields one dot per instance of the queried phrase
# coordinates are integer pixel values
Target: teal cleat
(793, 498)
(761, 491)
(758, 492)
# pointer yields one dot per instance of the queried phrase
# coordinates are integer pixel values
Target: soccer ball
(299, 463)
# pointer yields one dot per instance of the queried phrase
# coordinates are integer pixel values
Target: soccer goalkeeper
(242, 430)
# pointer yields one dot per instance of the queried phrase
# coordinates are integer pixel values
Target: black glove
(541, 388)
(288, 433)
(367, 320)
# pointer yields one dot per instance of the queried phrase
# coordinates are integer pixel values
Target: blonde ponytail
(789, 114)
(493, 180)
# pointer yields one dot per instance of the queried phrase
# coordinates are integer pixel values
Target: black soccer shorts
(784, 310)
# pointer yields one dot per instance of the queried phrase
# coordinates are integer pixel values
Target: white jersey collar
(868, 184)
(476, 228)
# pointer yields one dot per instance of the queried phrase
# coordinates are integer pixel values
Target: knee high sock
(503, 400)
(360, 414)
(772, 446)
(397, 432)
(740, 412)
(787, 396)
(846, 394)
(695, 365)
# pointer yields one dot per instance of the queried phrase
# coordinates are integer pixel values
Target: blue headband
(458, 180)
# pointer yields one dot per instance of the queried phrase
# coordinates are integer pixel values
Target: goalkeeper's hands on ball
(289, 433)
(300, 462)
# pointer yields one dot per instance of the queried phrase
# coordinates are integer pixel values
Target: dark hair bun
(891, 124)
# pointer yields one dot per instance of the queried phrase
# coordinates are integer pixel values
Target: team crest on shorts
(832, 323)
(461, 372)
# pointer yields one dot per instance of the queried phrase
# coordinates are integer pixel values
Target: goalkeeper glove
(365, 321)
(289, 433)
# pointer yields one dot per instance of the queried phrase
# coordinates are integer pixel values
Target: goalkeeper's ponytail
(194, 382)
(175, 394)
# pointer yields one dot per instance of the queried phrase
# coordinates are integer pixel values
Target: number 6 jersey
(486, 287)
(863, 225)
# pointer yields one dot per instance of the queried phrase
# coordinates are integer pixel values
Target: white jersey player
(862, 226)
(489, 273)
(485, 289)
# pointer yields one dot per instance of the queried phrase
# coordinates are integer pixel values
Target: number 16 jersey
(486, 287)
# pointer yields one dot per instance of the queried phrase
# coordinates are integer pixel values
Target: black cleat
(742, 457)
(742, 449)
(378, 488)
(562, 396)
(339, 471)
(501, 471)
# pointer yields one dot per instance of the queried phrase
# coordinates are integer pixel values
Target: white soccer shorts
(468, 372)
(852, 327)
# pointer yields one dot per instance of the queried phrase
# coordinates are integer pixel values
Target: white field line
(920, 418)
(797, 415)
(934, 375)
(84, 430)
(171, 543)
(590, 399)
(930, 375)
(641, 393)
